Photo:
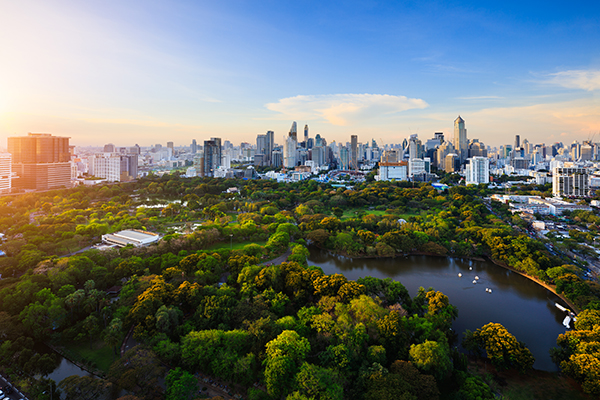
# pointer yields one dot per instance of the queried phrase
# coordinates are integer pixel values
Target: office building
(129, 167)
(305, 135)
(451, 163)
(290, 146)
(392, 171)
(40, 161)
(460, 139)
(194, 147)
(212, 156)
(570, 182)
(354, 152)
(5, 172)
(269, 145)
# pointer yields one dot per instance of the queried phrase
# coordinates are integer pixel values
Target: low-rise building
(135, 237)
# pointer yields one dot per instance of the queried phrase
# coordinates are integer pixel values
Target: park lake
(522, 306)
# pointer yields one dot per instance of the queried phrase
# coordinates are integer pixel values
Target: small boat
(474, 281)
(561, 308)
(490, 291)
(459, 275)
(470, 268)
(476, 278)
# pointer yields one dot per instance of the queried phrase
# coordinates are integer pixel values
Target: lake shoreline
(551, 288)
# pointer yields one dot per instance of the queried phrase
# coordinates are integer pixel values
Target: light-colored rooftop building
(134, 237)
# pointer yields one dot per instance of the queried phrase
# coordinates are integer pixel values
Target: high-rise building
(5, 172)
(451, 162)
(344, 158)
(305, 135)
(170, 145)
(107, 166)
(212, 156)
(129, 167)
(354, 152)
(135, 149)
(294, 131)
(41, 161)
(109, 148)
(570, 182)
(194, 146)
(415, 147)
(460, 139)
(477, 170)
(261, 144)
(290, 146)
(440, 155)
(270, 143)
(290, 152)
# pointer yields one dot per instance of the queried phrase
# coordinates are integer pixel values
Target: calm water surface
(524, 308)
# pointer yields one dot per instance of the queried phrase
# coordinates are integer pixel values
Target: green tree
(431, 357)
(181, 385)
(284, 355)
(84, 388)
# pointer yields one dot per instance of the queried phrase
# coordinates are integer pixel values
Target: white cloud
(577, 79)
(340, 109)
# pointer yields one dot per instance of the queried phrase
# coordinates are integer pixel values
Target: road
(15, 395)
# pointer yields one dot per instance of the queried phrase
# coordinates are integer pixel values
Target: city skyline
(147, 73)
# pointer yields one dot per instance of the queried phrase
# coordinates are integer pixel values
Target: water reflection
(526, 309)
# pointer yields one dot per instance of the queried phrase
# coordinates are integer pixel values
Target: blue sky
(154, 71)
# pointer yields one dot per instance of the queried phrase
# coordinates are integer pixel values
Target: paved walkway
(280, 259)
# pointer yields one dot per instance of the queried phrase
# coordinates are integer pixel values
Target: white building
(416, 166)
(191, 172)
(106, 166)
(570, 182)
(289, 152)
(5, 172)
(134, 237)
(477, 171)
(389, 171)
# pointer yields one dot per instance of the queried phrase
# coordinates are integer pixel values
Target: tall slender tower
(305, 135)
(354, 152)
(460, 139)
(290, 146)
(294, 131)
(269, 147)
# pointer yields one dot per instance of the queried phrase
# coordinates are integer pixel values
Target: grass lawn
(236, 246)
(351, 212)
(99, 354)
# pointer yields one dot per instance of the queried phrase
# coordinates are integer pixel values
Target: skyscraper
(212, 156)
(194, 147)
(460, 139)
(290, 148)
(354, 152)
(294, 131)
(270, 143)
(41, 161)
(305, 135)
